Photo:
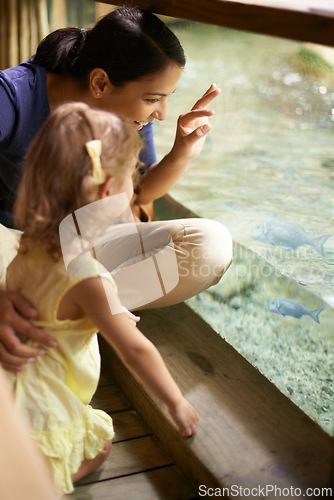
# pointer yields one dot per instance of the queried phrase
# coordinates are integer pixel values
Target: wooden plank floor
(137, 467)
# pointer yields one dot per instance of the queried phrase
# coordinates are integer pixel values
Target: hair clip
(94, 149)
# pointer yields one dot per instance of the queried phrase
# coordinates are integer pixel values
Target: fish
(288, 307)
(280, 233)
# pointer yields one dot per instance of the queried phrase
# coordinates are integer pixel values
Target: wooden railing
(303, 20)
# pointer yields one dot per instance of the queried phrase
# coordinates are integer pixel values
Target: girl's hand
(15, 315)
(193, 126)
(185, 417)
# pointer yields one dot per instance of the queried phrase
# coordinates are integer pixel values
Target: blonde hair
(57, 177)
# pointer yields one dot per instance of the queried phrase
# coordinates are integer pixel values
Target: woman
(128, 63)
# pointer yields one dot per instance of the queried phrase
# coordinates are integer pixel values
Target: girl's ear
(106, 189)
(98, 82)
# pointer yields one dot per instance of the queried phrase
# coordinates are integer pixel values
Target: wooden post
(33, 23)
(3, 50)
(12, 34)
(101, 9)
(58, 14)
(43, 22)
(23, 40)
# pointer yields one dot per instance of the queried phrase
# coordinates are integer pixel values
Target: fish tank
(267, 173)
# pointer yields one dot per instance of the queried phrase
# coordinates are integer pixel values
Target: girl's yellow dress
(55, 390)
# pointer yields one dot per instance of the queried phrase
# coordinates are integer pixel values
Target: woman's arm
(98, 299)
(8, 116)
(192, 129)
(15, 315)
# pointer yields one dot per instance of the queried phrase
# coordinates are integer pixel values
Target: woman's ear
(106, 189)
(98, 82)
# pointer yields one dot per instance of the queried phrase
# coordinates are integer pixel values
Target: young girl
(80, 155)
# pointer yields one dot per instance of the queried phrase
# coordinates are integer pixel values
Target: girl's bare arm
(98, 299)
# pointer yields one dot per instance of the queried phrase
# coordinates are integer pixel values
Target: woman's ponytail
(128, 44)
(59, 51)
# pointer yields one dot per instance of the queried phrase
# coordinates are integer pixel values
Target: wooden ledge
(250, 434)
(303, 20)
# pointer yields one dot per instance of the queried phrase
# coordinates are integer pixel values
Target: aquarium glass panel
(267, 173)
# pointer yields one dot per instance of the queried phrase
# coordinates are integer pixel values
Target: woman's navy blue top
(23, 109)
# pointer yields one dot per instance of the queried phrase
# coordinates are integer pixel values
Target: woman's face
(143, 100)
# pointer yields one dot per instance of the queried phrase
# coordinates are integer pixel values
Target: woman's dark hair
(127, 44)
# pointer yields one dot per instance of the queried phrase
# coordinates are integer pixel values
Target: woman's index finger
(207, 98)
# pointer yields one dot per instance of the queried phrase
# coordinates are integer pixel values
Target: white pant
(154, 264)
